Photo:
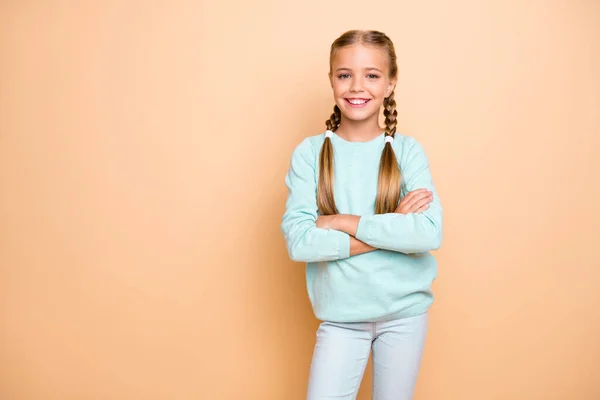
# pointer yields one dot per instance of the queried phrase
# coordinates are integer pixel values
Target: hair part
(388, 185)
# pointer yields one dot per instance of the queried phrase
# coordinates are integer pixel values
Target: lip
(357, 105)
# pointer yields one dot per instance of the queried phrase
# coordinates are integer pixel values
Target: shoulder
(307, 150)
(408, 149)
(309, 147)
(407, 144)
(315, 141)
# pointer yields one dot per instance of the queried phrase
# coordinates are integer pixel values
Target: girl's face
(360, 80)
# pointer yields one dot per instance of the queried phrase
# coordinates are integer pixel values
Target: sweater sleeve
(305, 242)
(407, 233)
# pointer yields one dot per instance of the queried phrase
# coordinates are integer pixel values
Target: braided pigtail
(325, 199)
(388, 186)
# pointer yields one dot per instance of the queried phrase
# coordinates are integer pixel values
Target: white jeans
(342, 351)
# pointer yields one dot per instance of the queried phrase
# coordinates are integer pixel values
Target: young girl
(363, 213)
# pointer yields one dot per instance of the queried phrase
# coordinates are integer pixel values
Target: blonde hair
(388, 186)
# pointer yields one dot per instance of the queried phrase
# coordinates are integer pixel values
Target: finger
(409, 200)
(421, 203)
(415, 200)
(421, 209)
(412, 196)
(414, 193)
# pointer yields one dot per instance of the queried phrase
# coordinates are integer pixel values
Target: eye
(343, 76)
(372, 76)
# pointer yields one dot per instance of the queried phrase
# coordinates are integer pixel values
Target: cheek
(339, 88)
(376, 89)
(379, 89)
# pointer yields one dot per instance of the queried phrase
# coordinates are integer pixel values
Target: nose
(357, 84)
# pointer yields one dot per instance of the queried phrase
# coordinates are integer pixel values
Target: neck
(359, 131)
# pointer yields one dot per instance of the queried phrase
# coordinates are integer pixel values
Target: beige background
(143, 146)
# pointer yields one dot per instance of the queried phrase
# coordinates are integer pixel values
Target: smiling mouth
(357, 102)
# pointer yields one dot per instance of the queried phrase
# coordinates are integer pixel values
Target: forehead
(359, 56)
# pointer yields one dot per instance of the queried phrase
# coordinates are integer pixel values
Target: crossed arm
(416, 201)
(349, 224)
(313, 238)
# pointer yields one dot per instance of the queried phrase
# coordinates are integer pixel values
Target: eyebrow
(368, 69)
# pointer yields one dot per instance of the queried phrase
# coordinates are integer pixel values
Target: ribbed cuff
(344, 245)
(363, 231)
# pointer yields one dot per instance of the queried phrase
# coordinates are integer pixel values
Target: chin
(358, 119)
(359, 115)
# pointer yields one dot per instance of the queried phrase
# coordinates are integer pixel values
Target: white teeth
(357, 102)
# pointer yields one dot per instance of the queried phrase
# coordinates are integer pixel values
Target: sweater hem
(405, 313)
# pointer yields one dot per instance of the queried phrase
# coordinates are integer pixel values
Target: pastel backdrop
(143, 146)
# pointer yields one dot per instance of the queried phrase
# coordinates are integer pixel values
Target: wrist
(334, 223)
(347, 223)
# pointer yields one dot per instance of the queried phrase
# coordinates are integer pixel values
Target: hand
(325, 221)
(416, 201)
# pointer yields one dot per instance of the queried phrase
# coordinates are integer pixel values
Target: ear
(330, 79)
(391, 87)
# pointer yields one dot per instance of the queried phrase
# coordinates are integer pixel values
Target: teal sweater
(390, 282)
